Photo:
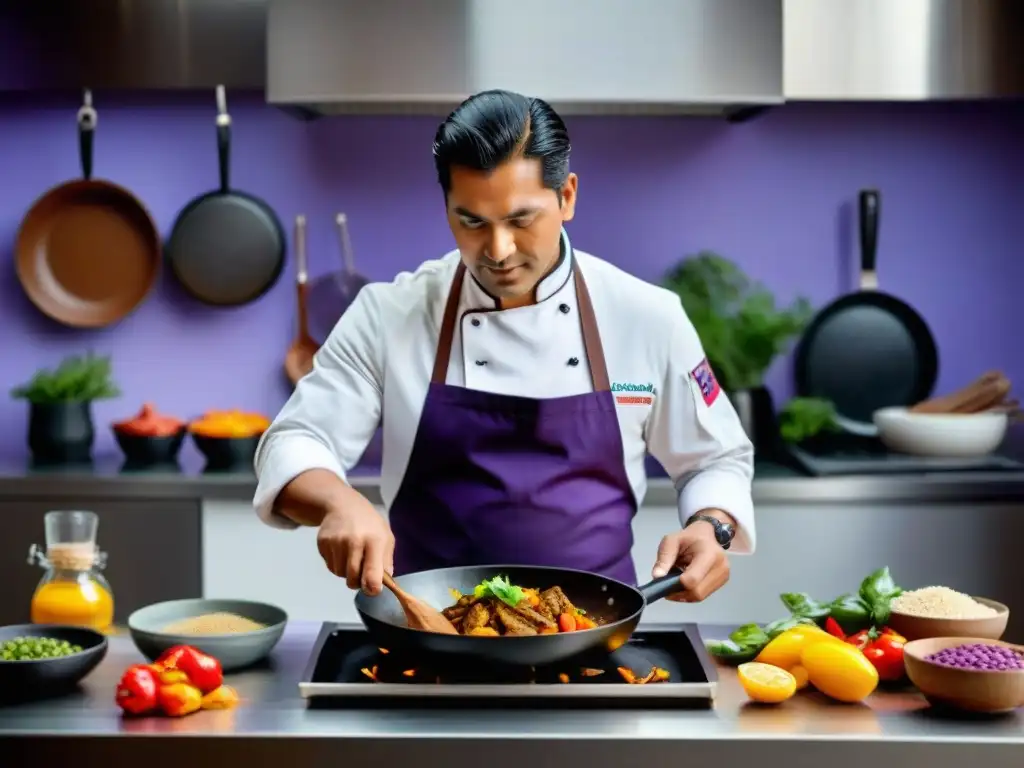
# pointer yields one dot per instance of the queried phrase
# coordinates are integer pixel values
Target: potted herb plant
(743, 332)
(60, 426)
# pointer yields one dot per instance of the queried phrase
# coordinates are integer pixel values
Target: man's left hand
(704, 562)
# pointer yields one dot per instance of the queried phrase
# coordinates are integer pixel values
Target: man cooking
(519, 383)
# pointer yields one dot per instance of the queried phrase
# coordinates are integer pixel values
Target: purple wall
(775, 195)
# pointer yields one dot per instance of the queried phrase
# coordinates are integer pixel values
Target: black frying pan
(867, 350)
(615, 605)
(227, 247)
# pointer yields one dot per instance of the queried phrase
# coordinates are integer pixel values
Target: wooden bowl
(966, 689)
(919, 627)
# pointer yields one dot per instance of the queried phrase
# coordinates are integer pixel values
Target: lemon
(765, 683)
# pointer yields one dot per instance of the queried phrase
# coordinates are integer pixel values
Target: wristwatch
(724, 533)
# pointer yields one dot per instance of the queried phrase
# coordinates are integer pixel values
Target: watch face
(725, 533)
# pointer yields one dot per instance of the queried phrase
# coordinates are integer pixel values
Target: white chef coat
(375, 368)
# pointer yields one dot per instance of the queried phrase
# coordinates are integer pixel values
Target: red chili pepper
(833, 628)
(137, 690)
(204, 671)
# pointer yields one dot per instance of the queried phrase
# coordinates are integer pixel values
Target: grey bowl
(234, 651)
(39, 678)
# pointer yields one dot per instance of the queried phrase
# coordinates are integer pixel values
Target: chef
(519, 383)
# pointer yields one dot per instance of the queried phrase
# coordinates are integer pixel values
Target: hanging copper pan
(88, 252)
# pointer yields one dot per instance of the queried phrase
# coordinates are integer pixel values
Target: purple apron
(500, 479)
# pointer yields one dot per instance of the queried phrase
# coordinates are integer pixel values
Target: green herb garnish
(78, 379)
(500, 588)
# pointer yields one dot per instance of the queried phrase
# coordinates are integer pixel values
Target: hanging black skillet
(867, 350)
(227, 247)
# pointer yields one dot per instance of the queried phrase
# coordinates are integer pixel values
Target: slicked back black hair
(492, 127)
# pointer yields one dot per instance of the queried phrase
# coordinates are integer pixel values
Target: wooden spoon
(299, 359)
(418, 614)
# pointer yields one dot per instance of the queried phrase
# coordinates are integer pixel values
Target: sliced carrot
(627, 674)
(567, 622)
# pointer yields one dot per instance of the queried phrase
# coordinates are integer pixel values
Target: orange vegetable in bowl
(230, 424)
(149, 423)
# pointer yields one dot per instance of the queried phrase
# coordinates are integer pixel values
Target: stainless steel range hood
(903, 50)
(710, 57)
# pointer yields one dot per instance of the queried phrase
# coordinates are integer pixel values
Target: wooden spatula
(418, 614)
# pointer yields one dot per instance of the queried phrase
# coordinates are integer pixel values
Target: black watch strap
(724, 533)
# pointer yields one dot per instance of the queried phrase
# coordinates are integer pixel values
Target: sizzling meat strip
(514, 622)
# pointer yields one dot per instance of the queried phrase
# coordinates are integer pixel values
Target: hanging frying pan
(867, 350)
(87, 252)
(331, 294)
(227, 247)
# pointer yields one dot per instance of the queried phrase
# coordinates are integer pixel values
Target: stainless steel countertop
(772, 484)
(275, 723)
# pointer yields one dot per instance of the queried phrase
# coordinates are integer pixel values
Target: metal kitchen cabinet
(153, 550)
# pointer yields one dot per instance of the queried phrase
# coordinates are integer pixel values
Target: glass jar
(72, 591)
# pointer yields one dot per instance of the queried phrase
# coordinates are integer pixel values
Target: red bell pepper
(137, 690)
(203, 670)
(884, 649)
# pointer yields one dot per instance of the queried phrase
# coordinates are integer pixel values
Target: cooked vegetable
(497, 607)
(34, 648)
(148, 423)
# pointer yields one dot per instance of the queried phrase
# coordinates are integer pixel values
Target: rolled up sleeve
(699, 439)
(333, 412)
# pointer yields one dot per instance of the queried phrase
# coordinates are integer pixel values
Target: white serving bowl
(946, 435)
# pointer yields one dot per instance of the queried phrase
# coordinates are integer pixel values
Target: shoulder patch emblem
(707, 382)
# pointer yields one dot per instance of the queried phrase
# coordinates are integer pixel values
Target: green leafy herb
(749, 635)
(777, 627)
(851, 613)
(500, 588)
(732, 652)
(804, 417)
(742, 329)
(803, 605)
(75, 380)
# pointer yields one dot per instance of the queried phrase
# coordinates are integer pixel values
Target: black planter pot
(757, 415)
(60, 433)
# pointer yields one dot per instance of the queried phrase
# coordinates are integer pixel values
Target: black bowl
(224, 453)
(37, 678)
(145, 451)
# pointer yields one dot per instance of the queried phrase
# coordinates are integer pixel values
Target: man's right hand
(356, 543)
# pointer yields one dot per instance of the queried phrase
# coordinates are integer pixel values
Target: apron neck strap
(588, 322)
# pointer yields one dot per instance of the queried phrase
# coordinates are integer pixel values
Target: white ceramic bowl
(947, 435)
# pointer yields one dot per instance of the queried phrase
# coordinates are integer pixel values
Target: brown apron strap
(591, 334)
(588, 321)
(444, 341)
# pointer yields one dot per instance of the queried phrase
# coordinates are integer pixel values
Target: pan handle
(87, 119)
(223, 140)
(661, 587)
(868, 219)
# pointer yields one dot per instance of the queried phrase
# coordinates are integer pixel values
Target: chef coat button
(574, 361)
(563, 308)
(481, 362)
(475, 321)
